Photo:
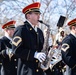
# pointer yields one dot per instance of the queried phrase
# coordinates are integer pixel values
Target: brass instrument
(53, 56)
(56, 57)
(45, 64)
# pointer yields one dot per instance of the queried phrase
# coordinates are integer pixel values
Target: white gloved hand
(40, 56)
(8, 51)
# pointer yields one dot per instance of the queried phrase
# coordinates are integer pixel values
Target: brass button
(16, 67)
(53, 70)
(36, 60)
(37, 70)
(15, 60)
(37, 33)
(0, 63)
(60, 70)
(59, 66)
(30, 28)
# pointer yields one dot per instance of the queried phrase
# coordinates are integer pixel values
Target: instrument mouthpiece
(40, 21)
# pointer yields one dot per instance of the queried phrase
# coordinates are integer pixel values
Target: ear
(6, 30)
(73, 27)
(28, 16)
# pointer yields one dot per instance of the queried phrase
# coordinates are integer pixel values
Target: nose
(38, 16)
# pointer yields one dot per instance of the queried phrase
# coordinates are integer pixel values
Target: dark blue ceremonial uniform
(9, 66)
(26, 42)
(69, 52)
(57, 69)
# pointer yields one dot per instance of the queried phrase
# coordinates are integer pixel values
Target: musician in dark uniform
(58, 68)
(28, 42)
(9, 61)
(69, 47)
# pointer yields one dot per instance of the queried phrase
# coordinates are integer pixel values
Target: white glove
(8, 51)
(40, 56)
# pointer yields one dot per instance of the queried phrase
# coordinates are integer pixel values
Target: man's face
(34, 17)
(10, 31)
(62, 33)
(75, 30)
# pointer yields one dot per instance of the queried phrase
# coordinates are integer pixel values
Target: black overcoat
(26, 41)
(69, 52)
(9, 66)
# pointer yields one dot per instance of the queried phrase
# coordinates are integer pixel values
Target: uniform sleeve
(67, 55)
(18, 49)
(2, 50)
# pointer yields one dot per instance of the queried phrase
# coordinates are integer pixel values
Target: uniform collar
(34, 27)
(8, 36)
(73, 34)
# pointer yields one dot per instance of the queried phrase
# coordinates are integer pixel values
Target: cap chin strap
(32, 10)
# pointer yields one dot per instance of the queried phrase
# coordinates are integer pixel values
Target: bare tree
(50, 11)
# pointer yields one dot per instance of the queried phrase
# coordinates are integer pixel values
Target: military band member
(59, 37)
(69, 47)
(28, 42)
(9, 62)
(57, 68)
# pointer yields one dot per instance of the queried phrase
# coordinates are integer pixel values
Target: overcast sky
(12, 9)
